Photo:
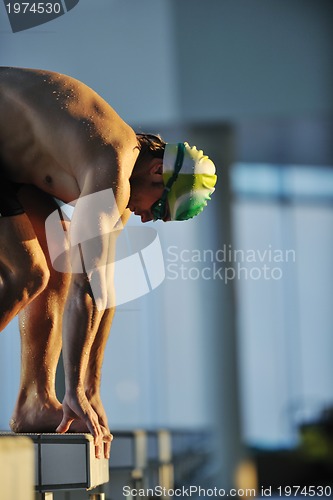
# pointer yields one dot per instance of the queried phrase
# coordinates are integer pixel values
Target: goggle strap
(178, 166)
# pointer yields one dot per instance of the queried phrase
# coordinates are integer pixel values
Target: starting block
(66, 462)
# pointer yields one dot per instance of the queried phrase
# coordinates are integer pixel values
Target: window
(283, 222)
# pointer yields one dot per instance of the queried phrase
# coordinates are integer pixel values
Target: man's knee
(34, 276)
(27, 277)
(36, 279)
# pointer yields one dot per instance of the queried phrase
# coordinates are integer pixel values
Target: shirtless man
(59, 139)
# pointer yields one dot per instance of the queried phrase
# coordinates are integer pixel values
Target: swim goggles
(159, 208)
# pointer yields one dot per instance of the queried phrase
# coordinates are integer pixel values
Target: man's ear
(156, 169)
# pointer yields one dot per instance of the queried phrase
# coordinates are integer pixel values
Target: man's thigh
(38, 206)
(24, 272)
(19, 246)
(22, 226)
(15, 228)
(19, 243)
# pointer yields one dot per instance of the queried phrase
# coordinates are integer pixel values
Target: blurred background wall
(251, 83)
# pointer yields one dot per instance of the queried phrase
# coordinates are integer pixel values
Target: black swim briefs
(9, 203)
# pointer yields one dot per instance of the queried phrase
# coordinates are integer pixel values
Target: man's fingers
(106, 446)
(98, 451)
(82, 410)
(96, 431)
(107, 449)
(64, 425)
(107, 439)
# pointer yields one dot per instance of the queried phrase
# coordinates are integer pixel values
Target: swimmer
(60, 140)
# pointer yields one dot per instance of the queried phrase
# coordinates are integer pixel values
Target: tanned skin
(59, 138)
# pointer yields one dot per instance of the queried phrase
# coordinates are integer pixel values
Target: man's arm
(94, 220)
(94, 368)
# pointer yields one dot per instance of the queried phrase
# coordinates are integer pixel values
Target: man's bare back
(54, 129)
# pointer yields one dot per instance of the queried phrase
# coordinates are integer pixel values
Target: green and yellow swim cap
(189, 189)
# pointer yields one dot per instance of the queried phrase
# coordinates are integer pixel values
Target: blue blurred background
(224, 343)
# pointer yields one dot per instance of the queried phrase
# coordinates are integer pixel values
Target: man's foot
(33, 415)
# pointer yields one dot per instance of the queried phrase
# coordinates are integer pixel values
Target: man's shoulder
(37, 84)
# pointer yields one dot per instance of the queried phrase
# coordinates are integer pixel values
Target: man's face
(147, 189)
